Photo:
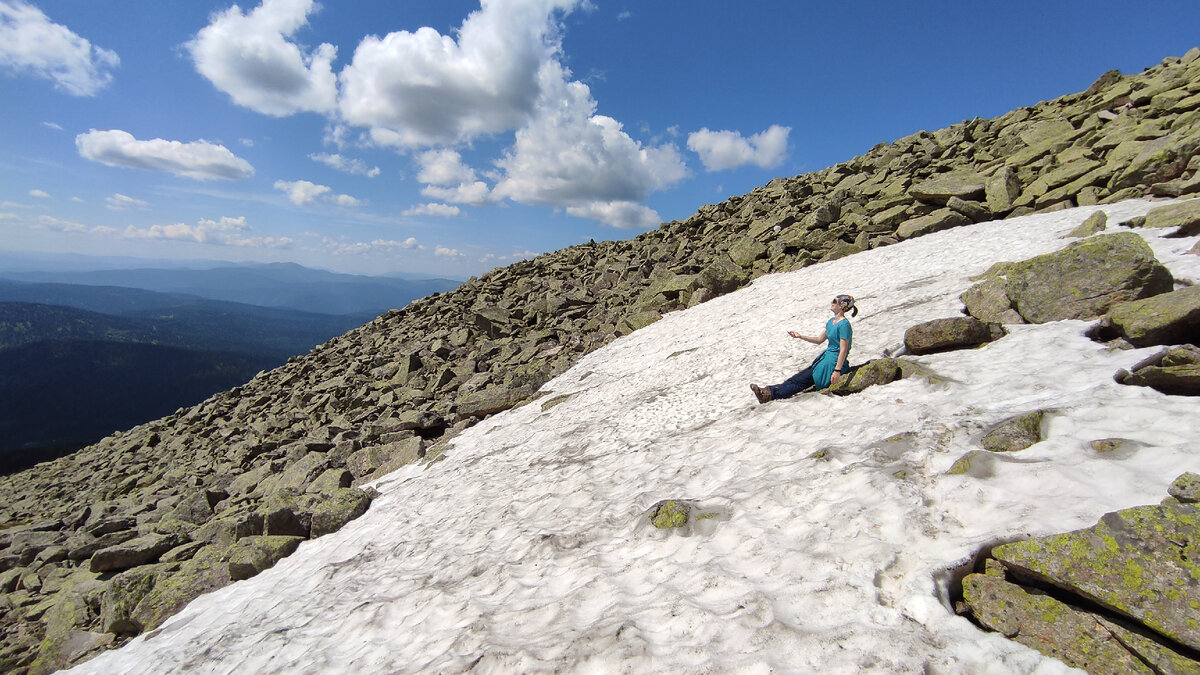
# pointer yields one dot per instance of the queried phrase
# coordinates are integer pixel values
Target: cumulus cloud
(433, 209)
(39, 194)
(570, 156)
(120, 202)
(345, 164)
(342, 247)
(424, 88)
(250, 57)
(31, 43)
(721, 150)
(443, 167)
(618, 214)
(200, 160)
(447, 252)
(303, 192)
(224, 232)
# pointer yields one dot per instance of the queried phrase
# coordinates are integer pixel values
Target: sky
(527, 548)
(449, 137)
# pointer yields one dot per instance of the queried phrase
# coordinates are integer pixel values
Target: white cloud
(77, 200)
(475, 194)
(246, 142)
(52, 125)
(345, 164)
(31, 43)
(618, 214)
(120, 202)
(200, 160)
(425, 88)
(224, 232)
(440, 210)
(720, 150)
(303, 192)
(624, 14)
(67, 226)
(249, 57)
(343, 247)
(443, 167)
(39, 194)
(570, 156)
(446, 252)
(409, 243)
(8, 216)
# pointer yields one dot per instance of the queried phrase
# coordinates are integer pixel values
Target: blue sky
(449, 137)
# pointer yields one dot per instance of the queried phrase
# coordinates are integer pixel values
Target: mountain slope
(834, 528)
(401, 387)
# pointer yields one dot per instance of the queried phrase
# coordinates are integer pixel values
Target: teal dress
(823, 368)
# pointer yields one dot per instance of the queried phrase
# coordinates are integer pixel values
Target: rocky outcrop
(1117, 597)
(274, 458)
(1080, 281)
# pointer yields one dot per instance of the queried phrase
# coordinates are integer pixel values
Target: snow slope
(528, 548)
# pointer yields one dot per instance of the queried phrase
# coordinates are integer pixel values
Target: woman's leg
(793, 385)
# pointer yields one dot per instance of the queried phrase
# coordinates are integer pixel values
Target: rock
(255, 554)
(345, 505)
(745, 251)
(943, 219)
(331, 480)
(941, 188)
(950, 333)
(138, 551)
(1174, 371)
(1186, 488)
(196, 508)
(988, 301)
(1168, 318)
(723, 276)
(1015, 433)
(1140, 563)
(492, 400)
(976, 211)
(1184, 215)
(282, 514)
(1002, 190)
(670, 514)
(1094, 224)
(1057, 629)
(122, 594)
(1084, 279)
(877, 371)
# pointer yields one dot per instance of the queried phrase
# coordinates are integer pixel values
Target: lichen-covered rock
(1015, 433)
(877, 371)
(670, 514)
(1184, 215)
(937, 221)
(940, 189)
(134, 552)
(345, 505)
(1054, 628)
(950, 333)
(255, 554)
(1084, 279)
(1173, 371)
(1186, 488)
(1094, 224)
(1143, 563)
(1167, 318)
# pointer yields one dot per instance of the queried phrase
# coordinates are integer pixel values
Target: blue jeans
(793, 385)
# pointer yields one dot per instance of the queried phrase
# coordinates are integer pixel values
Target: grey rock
(950, 333)
(1015, 433)
(138, 551)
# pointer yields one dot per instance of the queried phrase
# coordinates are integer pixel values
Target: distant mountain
(285, 285)
(56, 396)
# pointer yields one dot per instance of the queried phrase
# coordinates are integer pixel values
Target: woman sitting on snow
(828, 367)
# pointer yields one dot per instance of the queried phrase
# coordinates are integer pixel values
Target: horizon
(156, 136)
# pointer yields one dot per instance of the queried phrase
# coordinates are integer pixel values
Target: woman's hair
(847, 303)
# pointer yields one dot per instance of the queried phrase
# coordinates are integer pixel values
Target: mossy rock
(252, 555)
(670, 514)
(1167, 318)
(1186, 488)
(1015, 433)
(344, 505)
(950, 333)
(1094, 224)
(1142, 563)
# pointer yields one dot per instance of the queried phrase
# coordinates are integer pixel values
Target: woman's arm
(808, 338)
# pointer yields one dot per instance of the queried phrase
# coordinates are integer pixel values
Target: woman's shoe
(763, 394)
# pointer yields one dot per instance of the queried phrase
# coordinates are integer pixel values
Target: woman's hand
(795, 335)
(833, 379)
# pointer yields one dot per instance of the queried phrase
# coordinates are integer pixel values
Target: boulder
(1075, 637)
(723, 276)
(255, 554)
(344, 505)
(1184, 215)
(1174, 371)
(1002, 190)
(937, 221)
(877, 371)
(1015, 433)
(670, 514)
(138, 551)
(492, 400)
(1084, 279)
(1141, 563)
(1094, 224)
(1168, 318)
(941, 188)
(950, 333)
(1186, 488)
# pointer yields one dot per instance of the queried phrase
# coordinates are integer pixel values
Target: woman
(827, 369)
